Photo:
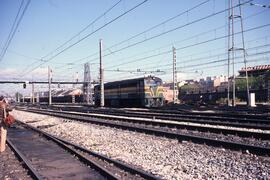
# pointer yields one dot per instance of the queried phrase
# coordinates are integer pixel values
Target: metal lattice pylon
(232, 49)
(87, 90)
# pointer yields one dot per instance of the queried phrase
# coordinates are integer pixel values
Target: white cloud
(16, 73)
(181, 76)
(8, 73)
(40, 72)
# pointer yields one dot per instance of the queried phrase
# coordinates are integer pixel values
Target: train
(55, 99)
(139, 92)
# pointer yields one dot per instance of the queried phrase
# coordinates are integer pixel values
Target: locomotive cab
(153, 92)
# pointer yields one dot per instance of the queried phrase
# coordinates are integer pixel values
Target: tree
(254, 83)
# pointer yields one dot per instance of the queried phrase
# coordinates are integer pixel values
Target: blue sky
(49, 23)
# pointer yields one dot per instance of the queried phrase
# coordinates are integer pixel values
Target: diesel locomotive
(139, 92)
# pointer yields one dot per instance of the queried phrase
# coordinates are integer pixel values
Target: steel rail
(220, 112)
(80, 156)
(209, 119)
(33, 173)
(63, 143)
(198, 115)
(258, 150)
(241, 133)
(233, 115)
(166, 117)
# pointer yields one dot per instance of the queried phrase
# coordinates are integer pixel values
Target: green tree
(254, 83)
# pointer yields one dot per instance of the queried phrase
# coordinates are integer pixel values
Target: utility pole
(49, 83)
(229, 63)
(174, 77)
(101, 71)
(244, 53)
(33, 94)
(233, 52)
(232, 49)
(37, 97)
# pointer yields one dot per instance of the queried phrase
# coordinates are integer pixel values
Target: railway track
(215, 120)
(208, 113)
(179, 111)
(48, 157)
(239, 109)
(168, 132)
(173, 124)
(205, 118)
(166, 115)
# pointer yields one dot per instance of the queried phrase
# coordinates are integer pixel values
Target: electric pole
(49, 83)
(244, 53)
(101, 75)
(232, 49)
(229, 63)
(233, 52)
(174, 77)
(33, 94)
(87, 84)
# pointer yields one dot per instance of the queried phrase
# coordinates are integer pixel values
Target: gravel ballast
(11, 167)
(167, 158)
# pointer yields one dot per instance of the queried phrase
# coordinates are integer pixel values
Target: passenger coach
(140, 92)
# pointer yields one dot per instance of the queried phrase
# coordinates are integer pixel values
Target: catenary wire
(88, 35)
(15, 30)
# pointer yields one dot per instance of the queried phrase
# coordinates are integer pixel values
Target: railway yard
(173, 90)
(135, 143)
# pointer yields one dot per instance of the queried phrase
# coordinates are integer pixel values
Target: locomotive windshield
(153, 81)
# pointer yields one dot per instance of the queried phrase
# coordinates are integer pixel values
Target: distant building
(209, 84)
(60, 92)
(255, 70)
(168, 91)
(168, 94)
(215, 88)
(218, 80)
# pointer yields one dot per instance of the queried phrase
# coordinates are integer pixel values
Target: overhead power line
(86, 27)
(171, 30)
(159, 24)
(14, 28)
(189, 38)
(134, 71)
(194, 70)
(208, 57)
(222, 60)
(194, 36)
(226, 64)
(147, 30)
(176, 28)
(20, 54)
(192, 45)
(216, 61)
(73, 37)
(188, 46)
(260, 5)
(88, 35)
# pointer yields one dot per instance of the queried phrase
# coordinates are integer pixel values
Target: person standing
(5, 120)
